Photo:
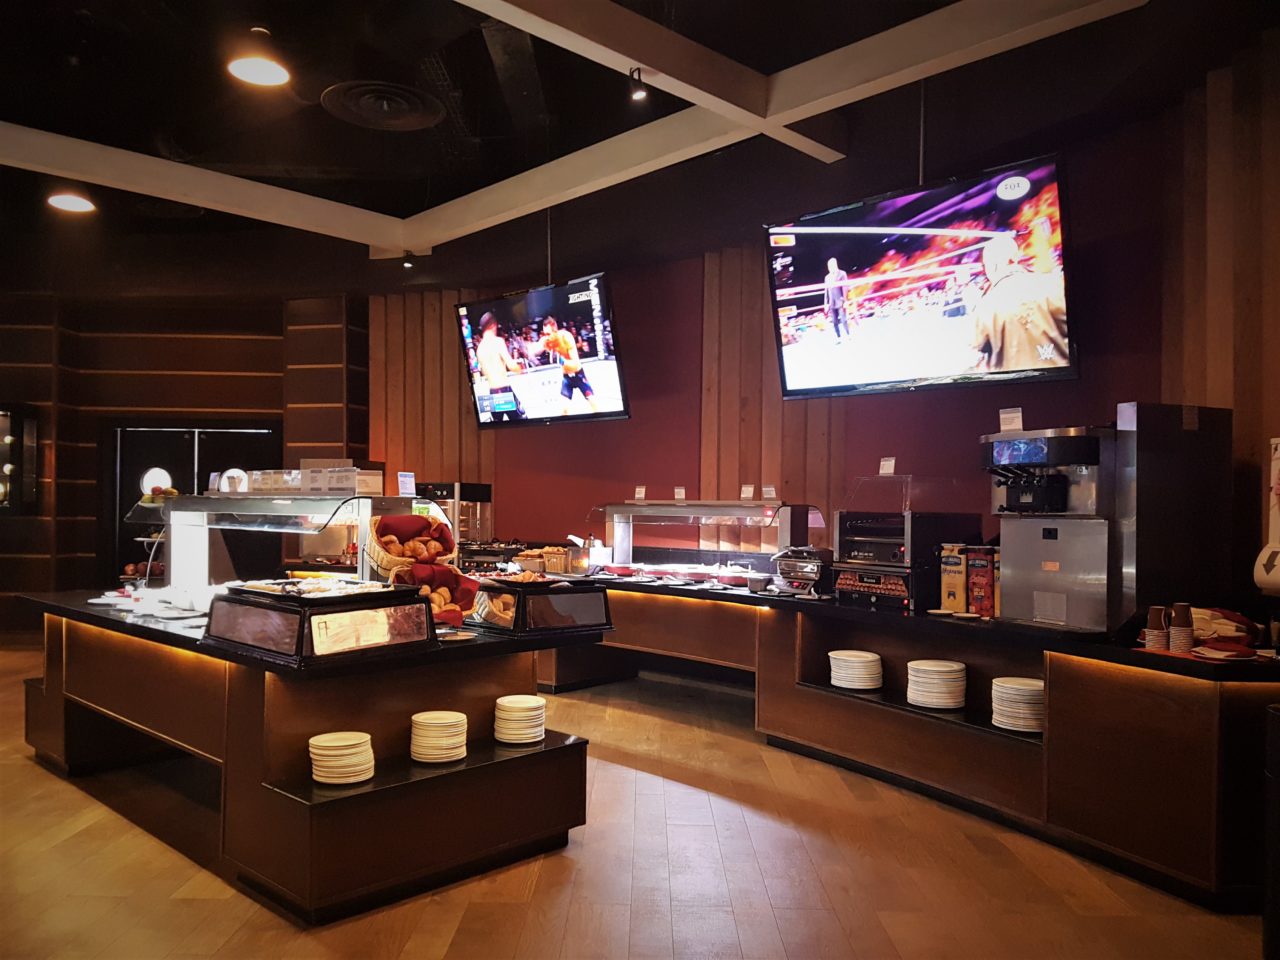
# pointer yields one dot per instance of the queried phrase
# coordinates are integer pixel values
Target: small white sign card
(887, 466)
(747, 492)
(769, 492)
(1010, 419)
(639, 491)
(408, 484)
(680, 493)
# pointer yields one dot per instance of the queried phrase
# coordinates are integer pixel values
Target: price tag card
(408, 484)
(639, 491)
(887, 466)
(1010, 419)
(747, 492)
(679, 493)
(770, 492)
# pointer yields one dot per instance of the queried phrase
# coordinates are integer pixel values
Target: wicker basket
(383, 563)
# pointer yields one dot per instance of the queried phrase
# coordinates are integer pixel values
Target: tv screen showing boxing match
(543, 355)
(957, 283)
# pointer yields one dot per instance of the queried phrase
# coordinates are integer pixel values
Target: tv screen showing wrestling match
(957, 283)
(543, 355)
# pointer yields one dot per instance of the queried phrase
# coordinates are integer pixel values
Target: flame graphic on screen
(1039, 225)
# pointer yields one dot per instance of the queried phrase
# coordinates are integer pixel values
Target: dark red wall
(548, 478)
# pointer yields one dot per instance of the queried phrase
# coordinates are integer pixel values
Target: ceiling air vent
(382, 106)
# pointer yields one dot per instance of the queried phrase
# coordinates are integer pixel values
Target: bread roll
(451, 606)
(415, 549)
(394, 549)
(434, 548)
(444, 593)
(389, 538)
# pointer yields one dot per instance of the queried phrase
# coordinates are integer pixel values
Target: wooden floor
(701, 842)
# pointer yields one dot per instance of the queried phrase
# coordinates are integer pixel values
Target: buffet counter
(1124, 729)
(118, 690)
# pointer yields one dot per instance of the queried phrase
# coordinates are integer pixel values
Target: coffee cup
(1158, 618)
(1181, 616)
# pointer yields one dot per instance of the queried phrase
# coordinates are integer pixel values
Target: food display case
(794, 522)
(541, 606)
(302, 623)
(469, 507)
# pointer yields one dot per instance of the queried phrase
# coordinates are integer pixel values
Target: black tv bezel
(1069, 372)
(606, 289)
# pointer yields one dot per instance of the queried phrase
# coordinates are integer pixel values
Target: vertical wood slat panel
(836, 492)
(817, 456)
(415, 372)
(395, 389)
(378, 377)
(1269, 247)
(469, 454)
(451, 394)
(1194, 341)
(434, 332)
(709, 441)
(730, 392)
(751, 395)
(770, 405)
(1219, 251)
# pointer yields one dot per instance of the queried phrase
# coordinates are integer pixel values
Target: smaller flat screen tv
(959, 282)
(543, 356)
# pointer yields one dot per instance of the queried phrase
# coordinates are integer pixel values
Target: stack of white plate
(438, 736)
(856, 669)
(938, 684)
(1017, 703)
(344, 757)
(519, 718)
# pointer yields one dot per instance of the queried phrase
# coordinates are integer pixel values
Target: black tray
(391, 593)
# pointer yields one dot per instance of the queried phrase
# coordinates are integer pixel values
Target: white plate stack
(856, 669)
(343, 757)
(1017, 703)
(938, 684)
(439, 736)
(519, 718)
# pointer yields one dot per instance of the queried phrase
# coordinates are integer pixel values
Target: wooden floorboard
(701, 842)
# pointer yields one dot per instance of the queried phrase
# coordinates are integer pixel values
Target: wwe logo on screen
(1045, 351)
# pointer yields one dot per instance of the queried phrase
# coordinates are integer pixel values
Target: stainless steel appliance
(803, 571)
(791, 521)
(469, 507)
(1098, 523)
(890, 559)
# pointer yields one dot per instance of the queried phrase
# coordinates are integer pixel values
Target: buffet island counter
(1150, 762)
(122, 688)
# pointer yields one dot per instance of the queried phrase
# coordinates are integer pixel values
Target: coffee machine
(1097, 523)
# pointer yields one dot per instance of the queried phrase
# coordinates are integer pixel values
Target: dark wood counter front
(117, 693)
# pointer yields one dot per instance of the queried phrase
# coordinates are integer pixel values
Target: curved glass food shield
(620, 519)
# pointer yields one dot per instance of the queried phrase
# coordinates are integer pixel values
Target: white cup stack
(1017, 703)
(342, 757)
(519, 718)
(856, 670)
(1181, 639)
(438, 736)
(937, 684)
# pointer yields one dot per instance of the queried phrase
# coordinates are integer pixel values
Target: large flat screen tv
(543, 355)
(958, 282)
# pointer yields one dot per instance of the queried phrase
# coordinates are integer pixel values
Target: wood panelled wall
(84, 364)
(418, 414)
(748, 435)
(1221, 301)
(326, 376)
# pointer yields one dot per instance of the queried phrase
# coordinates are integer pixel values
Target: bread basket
(383, 563)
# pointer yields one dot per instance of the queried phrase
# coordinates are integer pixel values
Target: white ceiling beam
(950, 37)
(681, 136)
(72, 159)
(616, 37)
(954, 35)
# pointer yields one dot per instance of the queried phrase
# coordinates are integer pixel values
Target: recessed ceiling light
(408, 264)
(259, 71)
(71, 203)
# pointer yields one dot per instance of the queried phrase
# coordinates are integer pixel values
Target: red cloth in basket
(405, 526)
(462, 588)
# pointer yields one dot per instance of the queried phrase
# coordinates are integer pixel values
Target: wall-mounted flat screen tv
(958, 282)
(544, 355)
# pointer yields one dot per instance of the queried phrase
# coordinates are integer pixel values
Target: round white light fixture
(8, 469)
(259, 71)
(155, 477)
(638, 90)
(408, 264)
(8, 438)
(71, 203)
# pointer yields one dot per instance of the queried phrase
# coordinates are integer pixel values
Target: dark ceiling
(149, 75)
